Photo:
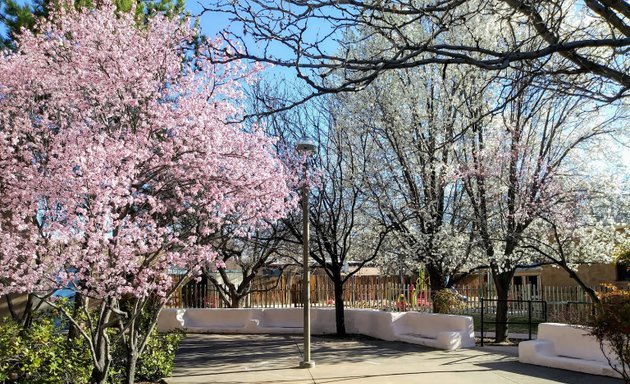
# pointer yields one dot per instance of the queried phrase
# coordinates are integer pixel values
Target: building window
(623, 271)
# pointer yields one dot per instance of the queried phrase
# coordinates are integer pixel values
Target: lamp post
(307, 148)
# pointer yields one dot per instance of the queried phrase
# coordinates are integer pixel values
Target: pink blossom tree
(116, 160)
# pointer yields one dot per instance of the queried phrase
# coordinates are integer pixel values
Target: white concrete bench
(224, 320)
(368, 322)
(170, 319)
(323, 321)
(435, 330)
(567, 347)
(282, 320)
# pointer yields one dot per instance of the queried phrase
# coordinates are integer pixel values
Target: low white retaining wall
(566, 347)
(227, 321)
(170, 319)
(281, 320)
(323, 321)
(368, 322)
(433, 330)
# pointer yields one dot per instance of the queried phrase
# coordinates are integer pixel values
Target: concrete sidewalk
(274, 359)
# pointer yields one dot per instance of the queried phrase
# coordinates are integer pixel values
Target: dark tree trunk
(340, 319)
(140, 331)
(235, 300)
(24, 316)
(10, 307)
(502, 282)
(98, 377)
(132, 351)
(589, 291)
(437, 283)
(102, 357)
(27, 314)
(99, 372)
(73, 331)
(132, 362)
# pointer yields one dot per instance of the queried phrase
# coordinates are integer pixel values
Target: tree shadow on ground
(212, 350)
(552, 374)
(211, 354)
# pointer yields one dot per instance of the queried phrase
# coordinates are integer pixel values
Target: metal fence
(563, 304)
(286, 291)
(522, 312)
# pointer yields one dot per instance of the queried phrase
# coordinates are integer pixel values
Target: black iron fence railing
(520, 312)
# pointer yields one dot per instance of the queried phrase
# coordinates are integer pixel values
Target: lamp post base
(307, 364)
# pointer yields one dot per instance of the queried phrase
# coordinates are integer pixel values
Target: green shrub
(157, 360)
(44, 354)
(447, 301)
(154, 364)
(611, 325)
(41, 354)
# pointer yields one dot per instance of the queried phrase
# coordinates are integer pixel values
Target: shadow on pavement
(553, 374)
(266, 359)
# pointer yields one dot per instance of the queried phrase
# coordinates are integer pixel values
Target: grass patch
(514, 323)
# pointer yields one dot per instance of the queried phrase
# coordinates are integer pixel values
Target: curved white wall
(434, 330)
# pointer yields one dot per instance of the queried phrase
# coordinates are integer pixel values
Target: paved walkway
(231, 359)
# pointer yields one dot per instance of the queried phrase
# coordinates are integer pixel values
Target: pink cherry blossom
(117, 156)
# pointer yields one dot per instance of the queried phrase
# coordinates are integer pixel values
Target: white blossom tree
(511, 165)
(414, 123)
(586, 225)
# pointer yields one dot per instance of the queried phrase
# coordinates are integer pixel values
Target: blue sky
(212, 23)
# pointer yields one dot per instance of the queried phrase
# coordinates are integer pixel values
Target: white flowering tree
(586, 226)
(413, 121)
(511, 165)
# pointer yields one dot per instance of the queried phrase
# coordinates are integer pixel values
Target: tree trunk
(502, 282)
(340, 319)
(73, 331)
(139, 335)
(235, 300)
(132, 361)
(98, 377)
(102, 358)
(131, 348)
(437, 282)
(17, 316)
(589, 291)
(27, 314)
(101, 366)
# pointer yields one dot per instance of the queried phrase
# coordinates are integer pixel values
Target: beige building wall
(593, 275)
(19, 302)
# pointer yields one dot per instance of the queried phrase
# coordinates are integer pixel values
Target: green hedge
(44, 354)
(41, 354)
(154, 364)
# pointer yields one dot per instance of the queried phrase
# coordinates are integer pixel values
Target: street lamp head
(305, 145)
